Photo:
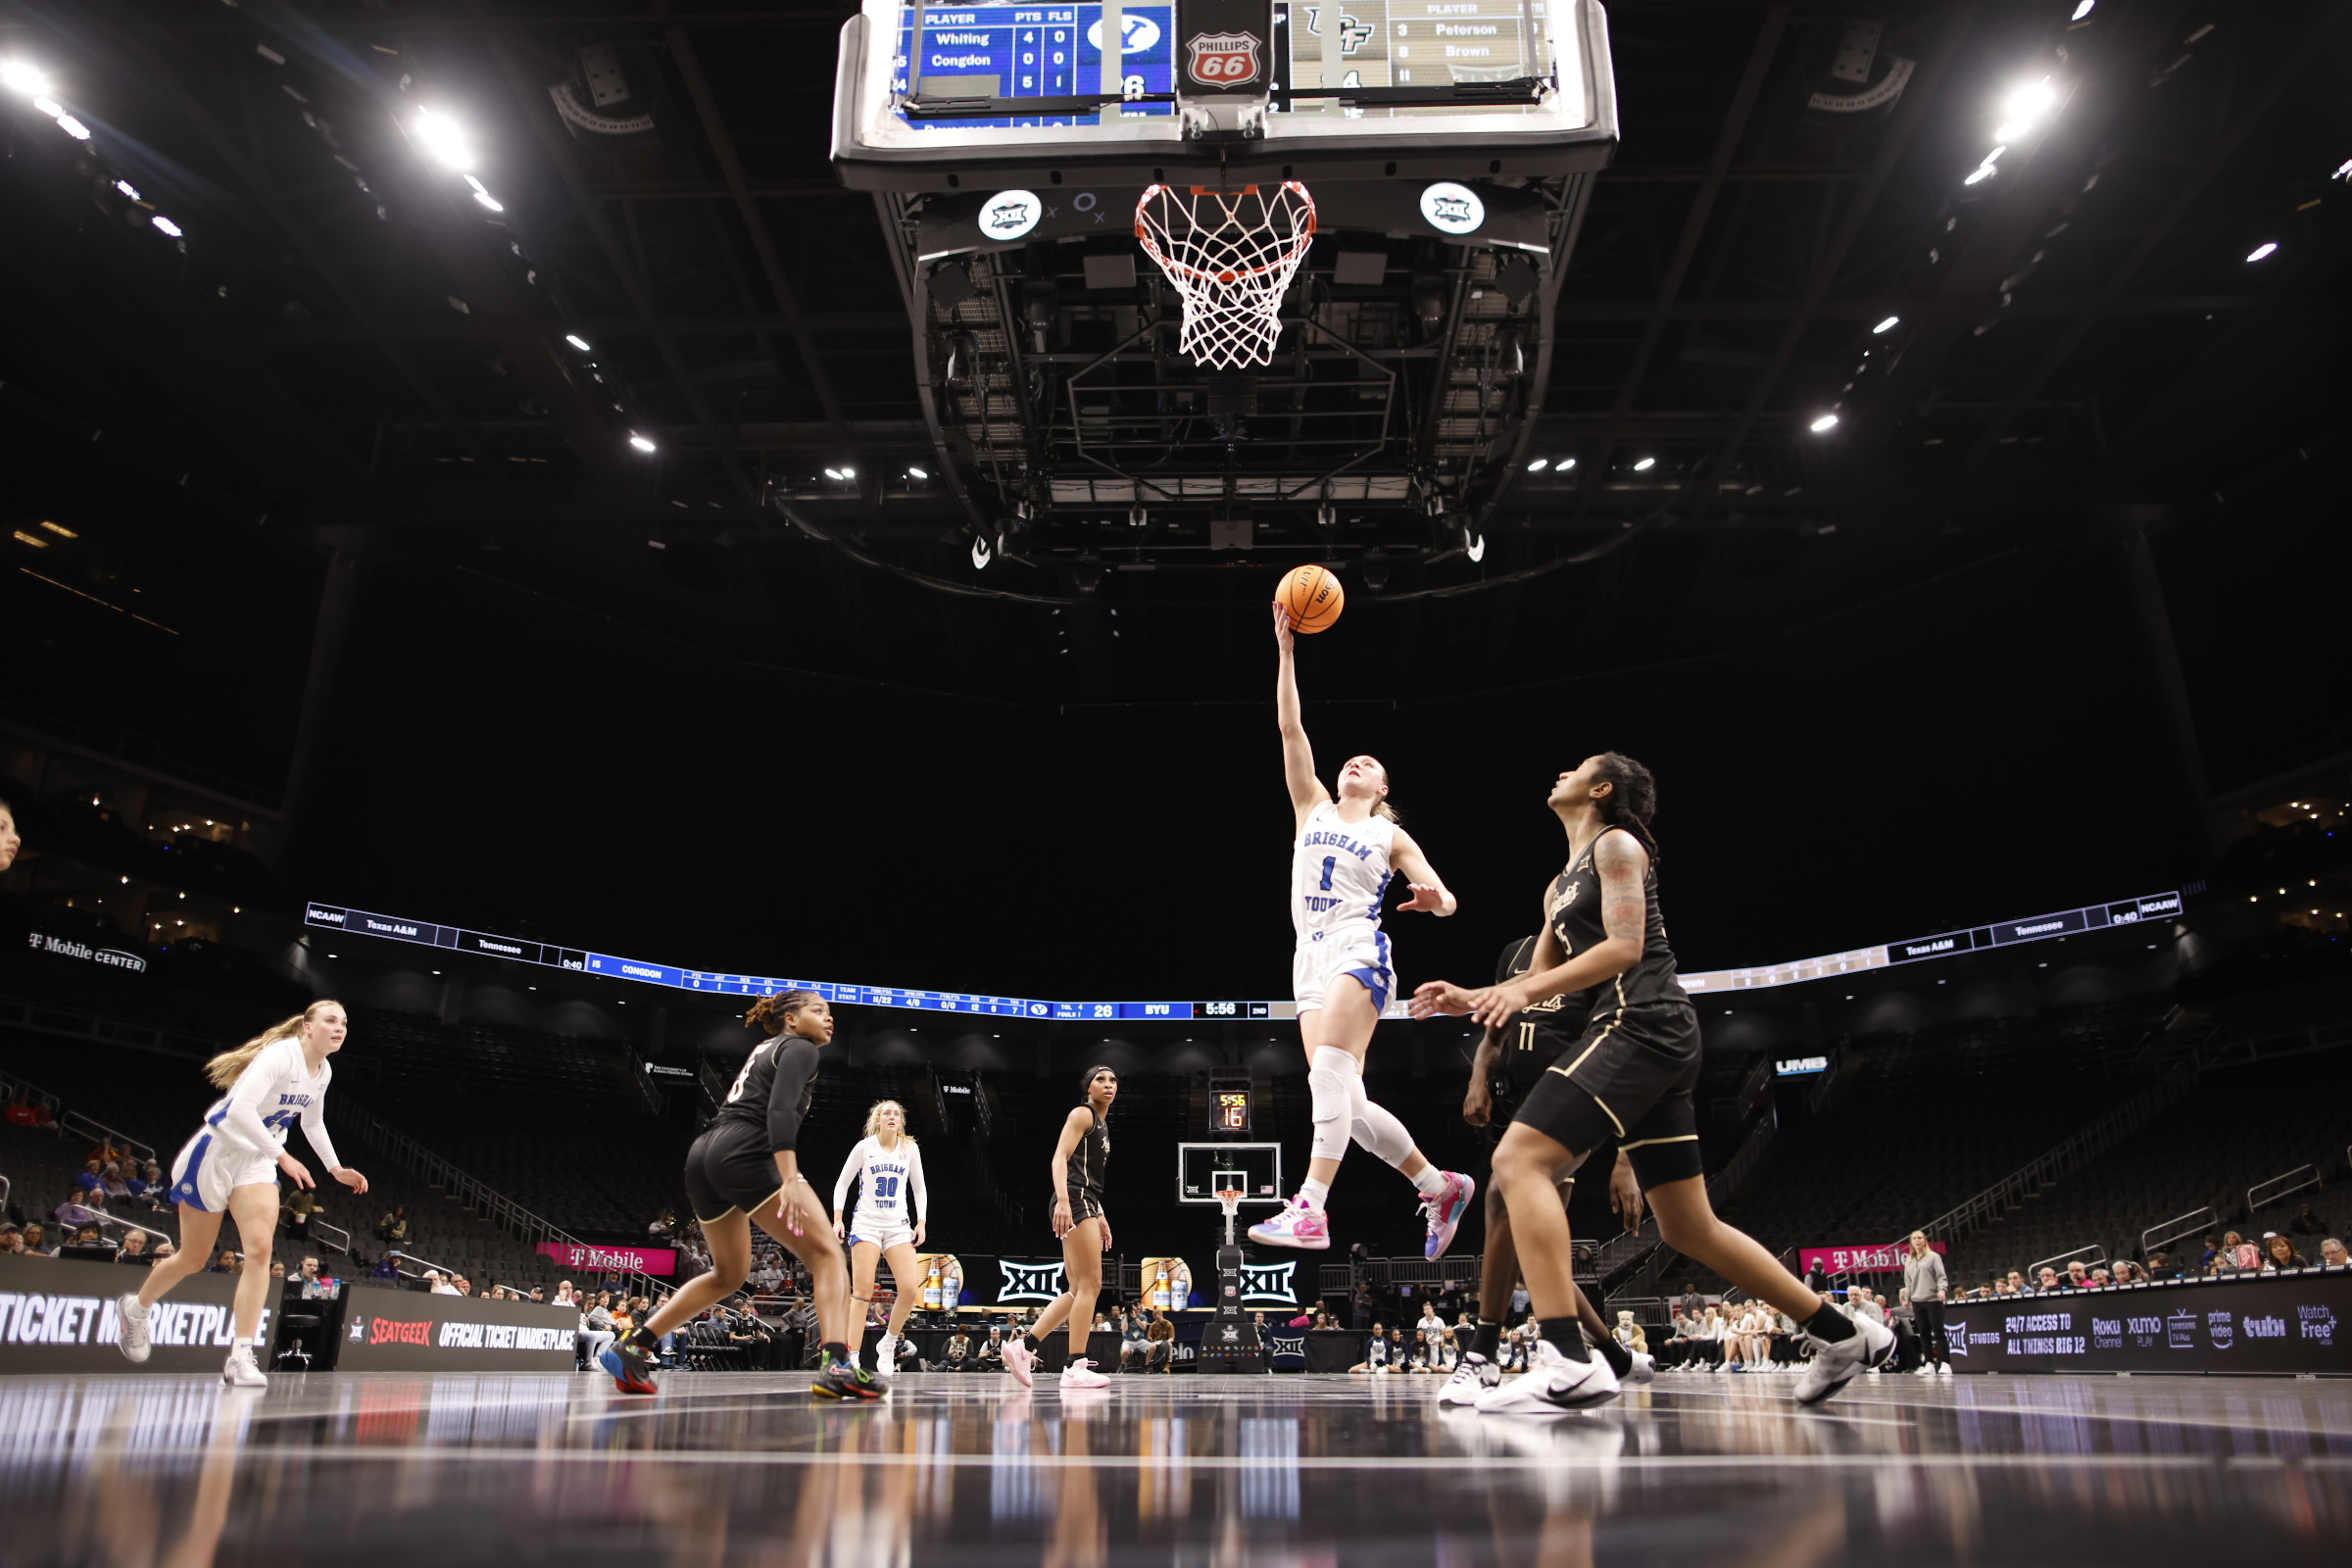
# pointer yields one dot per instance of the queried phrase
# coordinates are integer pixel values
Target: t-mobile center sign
(1887, 1259)
(594, 1259)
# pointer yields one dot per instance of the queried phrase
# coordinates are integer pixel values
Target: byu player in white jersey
(1344, 853)
(275, 1079)
(888, 1172)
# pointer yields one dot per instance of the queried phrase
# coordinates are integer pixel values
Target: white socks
(1431, 1181)
(1317, 1194)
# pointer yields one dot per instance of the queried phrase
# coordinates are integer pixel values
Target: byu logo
(1286, 1345)
(1222, 59)
(1267, 1281)
(1353, 34)
(1028, 1282)
(1137, 33)
(1010, 214)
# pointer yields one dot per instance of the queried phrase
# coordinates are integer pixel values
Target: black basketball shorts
(730, 1167)
(1084, 1204)
(1630, 1079)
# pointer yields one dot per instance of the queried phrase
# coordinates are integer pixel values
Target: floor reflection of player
(128, 1520)
(1081, 1536)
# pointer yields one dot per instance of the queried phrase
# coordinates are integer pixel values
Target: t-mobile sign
(594, 1259)
(1885, 1259)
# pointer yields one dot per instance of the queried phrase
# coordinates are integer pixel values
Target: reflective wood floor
(427, 1471)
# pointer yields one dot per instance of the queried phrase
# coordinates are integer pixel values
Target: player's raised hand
(1494, 1005)
(1433, 998)
(1282, 637)
(1426, 896)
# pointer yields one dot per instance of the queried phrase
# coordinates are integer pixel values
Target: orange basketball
(1312, 597)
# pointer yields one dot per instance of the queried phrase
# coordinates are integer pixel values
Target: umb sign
(1022, 1283)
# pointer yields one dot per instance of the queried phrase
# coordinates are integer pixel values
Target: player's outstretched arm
(1298, 755)
(1428, 890)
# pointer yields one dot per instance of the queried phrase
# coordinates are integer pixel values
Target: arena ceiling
(1807, 353)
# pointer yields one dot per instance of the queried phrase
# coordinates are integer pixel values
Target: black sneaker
(845, 1381)
(631, 1372)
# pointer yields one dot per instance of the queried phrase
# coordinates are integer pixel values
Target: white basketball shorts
(1361, 953)
(886, 1232)
(208, 1168)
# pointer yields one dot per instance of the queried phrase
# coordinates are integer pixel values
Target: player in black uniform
(1081, 1155)
(1505, 1067)
(745, 1168)
(1630, 1076)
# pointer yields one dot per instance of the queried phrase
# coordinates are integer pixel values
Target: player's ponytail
(1631, 800)
(1381, 807)
(771, 1011)
(229, 1066)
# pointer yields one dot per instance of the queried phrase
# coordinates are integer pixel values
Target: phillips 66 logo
(1222, 59)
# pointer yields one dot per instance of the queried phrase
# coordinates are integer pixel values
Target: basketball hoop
(1232, 255)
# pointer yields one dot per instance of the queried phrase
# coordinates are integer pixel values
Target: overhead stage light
(2025, 104)
(1645, 464)
(1887, 325)
(918, 474)
(2083, 10)
(1563, 464)
(165, 225)
(1538, 465)
(445, 139)
(641, 443)
(24, 76)
(577, 342)
(1828, 421)
(2262, 250)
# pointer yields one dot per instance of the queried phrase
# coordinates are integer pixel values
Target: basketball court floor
(423, 1471)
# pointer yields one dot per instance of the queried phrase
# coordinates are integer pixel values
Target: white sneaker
(1835, 1362)
(1082, 1374)
(1925, 1369)
(239, 1372)
(1944, 1369)
(1644, 1370)
(1552, 1384)
(131, 1335)
(1299, 1224)
(1472, 1377)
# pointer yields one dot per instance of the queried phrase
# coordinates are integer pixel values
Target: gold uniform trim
(1677, 1137)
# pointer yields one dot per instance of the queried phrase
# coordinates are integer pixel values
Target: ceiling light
(848, 472)
(641, 443)
(72, 128)
(916, 474)
(63, 532)
(165, 225)
(576, 341)
(22, 77)
(1828, 421)
(2083, 10)
(834, 473)
(1980, 175)
(1474, 546)
(1645, 464)
(1563, 466)
(981, 554)
(489, 201)
(2262, 250)
(1887, 325)
(444, 138)
(33, 539)
(127, 188)
(1538, 465)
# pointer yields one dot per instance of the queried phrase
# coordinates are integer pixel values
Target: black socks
(836, 1351)
(1486, 1340)
(1567, 1336)
(1620, 1359)
(644, 1338)
(1830, 1325)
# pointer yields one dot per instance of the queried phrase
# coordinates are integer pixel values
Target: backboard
(1203, 1169)
(978, 97)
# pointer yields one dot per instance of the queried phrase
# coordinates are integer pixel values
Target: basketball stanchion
(1230, 1343)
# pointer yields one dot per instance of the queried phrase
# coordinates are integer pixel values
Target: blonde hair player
(231, 1166)
(1345, 850)
(888, 1169)
(746, 1169)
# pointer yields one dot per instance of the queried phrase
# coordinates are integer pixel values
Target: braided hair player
(745, 1169)
(1081, 1157)
(1630, 1076)
(1511, 1058)
(1346, 848)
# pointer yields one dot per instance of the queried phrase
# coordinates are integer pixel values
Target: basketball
(1312, 597)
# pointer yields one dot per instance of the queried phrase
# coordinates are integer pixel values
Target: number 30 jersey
(1339, 875)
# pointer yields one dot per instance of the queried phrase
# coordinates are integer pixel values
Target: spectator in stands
(394, 1227)
(301, 1203)
(135, 1185)
(80, 1209)
(226, 1263)
(36, 1240)
(2078, 1275)
(991, 1357)
(562, 1292)
(596, 1326)
(307, 1271)
(386, 1267)
(1360, 1306)
(166, 1248)
(1135, 1346)
(2046, 1279)
(90, 1180)
(277, 1266)
(2247, 1257)
(109, 1177)
(2278, 1252)
(959, 1355)
(2306, 1223)
(12, 1241)
(1514, 1350)
(1691, 1302)
(2163, 1266)
(134, 1249)
(2333, 1253)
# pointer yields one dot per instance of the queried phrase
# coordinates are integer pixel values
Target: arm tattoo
(1624, 907)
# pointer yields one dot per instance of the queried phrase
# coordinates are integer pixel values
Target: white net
(1231, 255)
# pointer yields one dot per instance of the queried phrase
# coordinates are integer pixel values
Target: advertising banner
(590, 1258)
(1885, 1259)
(407, 1331)
(1167, 1283)
(940, 1277)
(57, 1315)
(2282, 1323)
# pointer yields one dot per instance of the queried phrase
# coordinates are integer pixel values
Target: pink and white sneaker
(1019, 1361)
(1082, 1374)
(1444, 1212)
(1298, 1225)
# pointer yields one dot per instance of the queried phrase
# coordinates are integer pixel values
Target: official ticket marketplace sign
(408, 1331)
(589, 1259)
(2276, 1325)
(57, 1315)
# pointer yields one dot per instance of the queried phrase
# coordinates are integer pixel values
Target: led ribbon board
(455, 939)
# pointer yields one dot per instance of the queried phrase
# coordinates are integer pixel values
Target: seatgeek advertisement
(408, 1331)
(2279, 1324)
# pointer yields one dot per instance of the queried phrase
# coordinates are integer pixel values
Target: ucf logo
(1566, 895)
(1267, 1281)
(1353, 34)
(1029, 1282)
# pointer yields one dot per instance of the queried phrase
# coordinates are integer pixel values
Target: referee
(1924, 1282)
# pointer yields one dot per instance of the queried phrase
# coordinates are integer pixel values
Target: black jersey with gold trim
(1085, 1172)
(1534, 1037)
(1575, 918)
